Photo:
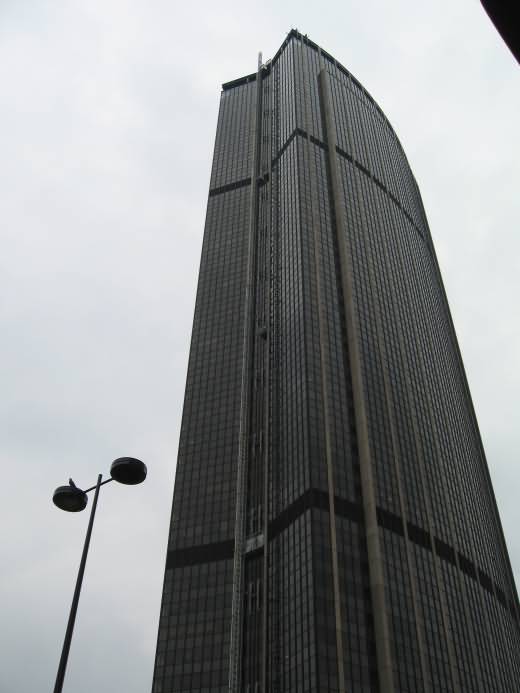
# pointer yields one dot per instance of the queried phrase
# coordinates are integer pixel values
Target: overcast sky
(107, 119)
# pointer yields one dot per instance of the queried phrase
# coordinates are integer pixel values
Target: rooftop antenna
(260, 60)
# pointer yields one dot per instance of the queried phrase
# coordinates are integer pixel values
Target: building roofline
(239, 81)
(295, 34)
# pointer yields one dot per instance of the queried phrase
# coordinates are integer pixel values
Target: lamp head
(70, 498)
(128, 470)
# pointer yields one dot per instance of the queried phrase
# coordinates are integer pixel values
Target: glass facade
(334, 528)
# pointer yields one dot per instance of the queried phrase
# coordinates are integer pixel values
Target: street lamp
(126, 470)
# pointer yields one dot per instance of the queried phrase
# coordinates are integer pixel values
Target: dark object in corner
(505, 15)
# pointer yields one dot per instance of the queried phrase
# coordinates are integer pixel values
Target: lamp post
(126, 470)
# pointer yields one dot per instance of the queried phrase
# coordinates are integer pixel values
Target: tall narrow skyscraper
(334, 528)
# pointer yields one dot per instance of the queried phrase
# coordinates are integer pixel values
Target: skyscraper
(334, 527)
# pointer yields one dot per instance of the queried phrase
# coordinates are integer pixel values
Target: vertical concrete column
(375, 565)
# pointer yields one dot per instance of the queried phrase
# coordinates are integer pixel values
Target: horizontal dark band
(318, 499)
(313, 498)
(345, 155)
(230, 186)
(205, 553)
